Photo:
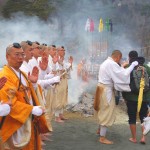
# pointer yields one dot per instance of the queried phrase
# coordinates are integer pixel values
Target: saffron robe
(20, 110)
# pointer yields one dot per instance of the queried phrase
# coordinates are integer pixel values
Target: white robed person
(111, 76)
(31, 61)
(61, 99)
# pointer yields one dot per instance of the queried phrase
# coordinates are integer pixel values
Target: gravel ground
(79, 133)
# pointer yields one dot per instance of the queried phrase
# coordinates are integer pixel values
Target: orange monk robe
(20, 110)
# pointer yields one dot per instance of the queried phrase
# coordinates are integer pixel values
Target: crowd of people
(33, 87)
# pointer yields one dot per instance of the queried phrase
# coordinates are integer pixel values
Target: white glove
(131, 67)
(52, 80)
(47, 83)
(4, 109)
(49, 76)
(134, 63)
(56, 79)
(37, 110)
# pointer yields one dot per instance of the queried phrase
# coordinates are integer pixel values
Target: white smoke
(21, 28)
(67, 29)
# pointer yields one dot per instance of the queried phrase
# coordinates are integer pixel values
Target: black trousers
(132, 111)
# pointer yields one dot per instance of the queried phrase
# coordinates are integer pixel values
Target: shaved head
(11, 47)
(8, 49)
(116, 56)
(14, 55)
(24, 45)
(116, 53)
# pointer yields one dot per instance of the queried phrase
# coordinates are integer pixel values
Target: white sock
(57, 112)
(103, 130)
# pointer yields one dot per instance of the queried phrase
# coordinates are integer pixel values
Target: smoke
(67, 29)
(21, 28)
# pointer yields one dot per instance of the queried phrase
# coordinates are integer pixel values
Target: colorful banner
(101, 25)
(89, 26)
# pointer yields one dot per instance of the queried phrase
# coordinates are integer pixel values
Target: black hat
(141, 60)
(133, 54)
(53, 46)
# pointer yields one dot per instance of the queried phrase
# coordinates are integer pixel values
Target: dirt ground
(79, 133)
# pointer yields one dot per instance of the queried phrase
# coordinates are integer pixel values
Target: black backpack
(135, 79)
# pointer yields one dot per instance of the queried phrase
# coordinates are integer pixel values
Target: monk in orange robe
(21, 128)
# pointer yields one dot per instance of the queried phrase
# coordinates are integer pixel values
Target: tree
(40, 8)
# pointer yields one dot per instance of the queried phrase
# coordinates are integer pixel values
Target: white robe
(25, 67)
(64, 66)
(110, 75)
(113, 75)
(44, 83)
(51, 64)
(48, 69)
(110, 72)
(33, 62)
